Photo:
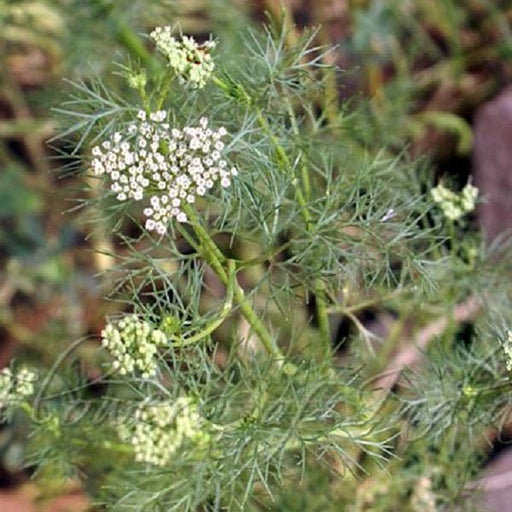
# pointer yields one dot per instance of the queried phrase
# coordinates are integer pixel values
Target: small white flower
(133, 343)
(160, 228)
(15, 387)
(454, 206)
(191, 61)
(158, 430)
(171, 166)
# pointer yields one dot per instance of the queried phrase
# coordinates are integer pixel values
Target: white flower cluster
(133, 344)
(453, 205)
(168, 166)
(158, 431)
(190, 60)
(15, 387)
(508, 352)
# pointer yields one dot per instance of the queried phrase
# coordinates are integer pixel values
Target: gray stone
(496, 485)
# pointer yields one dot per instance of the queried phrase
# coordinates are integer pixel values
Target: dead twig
(412, 352)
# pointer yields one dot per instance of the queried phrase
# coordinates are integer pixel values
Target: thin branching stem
(214, 257)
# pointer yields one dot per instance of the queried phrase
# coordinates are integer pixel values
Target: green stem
(281, 153)
(453, 240)
(216, 260)
(306, 182)
(339, 308)
(132, 43)
(322, 313)
(163, 92)
(224, 312)
(284, 164)
(319, 286)
(118, 447)
(125, 35)
(497, 388)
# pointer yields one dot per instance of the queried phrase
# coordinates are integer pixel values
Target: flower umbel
(15, 387)
(133, 345)
(191, 61)
(167, 166)
(158, 430)
(455, 206)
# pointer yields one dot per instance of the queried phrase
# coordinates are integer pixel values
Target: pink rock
(492, 164)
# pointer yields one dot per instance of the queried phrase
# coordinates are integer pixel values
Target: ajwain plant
(255, 237)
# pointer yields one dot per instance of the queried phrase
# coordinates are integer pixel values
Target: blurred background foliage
(417, 69)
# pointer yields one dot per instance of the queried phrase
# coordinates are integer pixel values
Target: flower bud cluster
(158, 430)
(453, 205)
(15, 387)
(508, 352)
(191, 61)
(133, 344)
(166, 166)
